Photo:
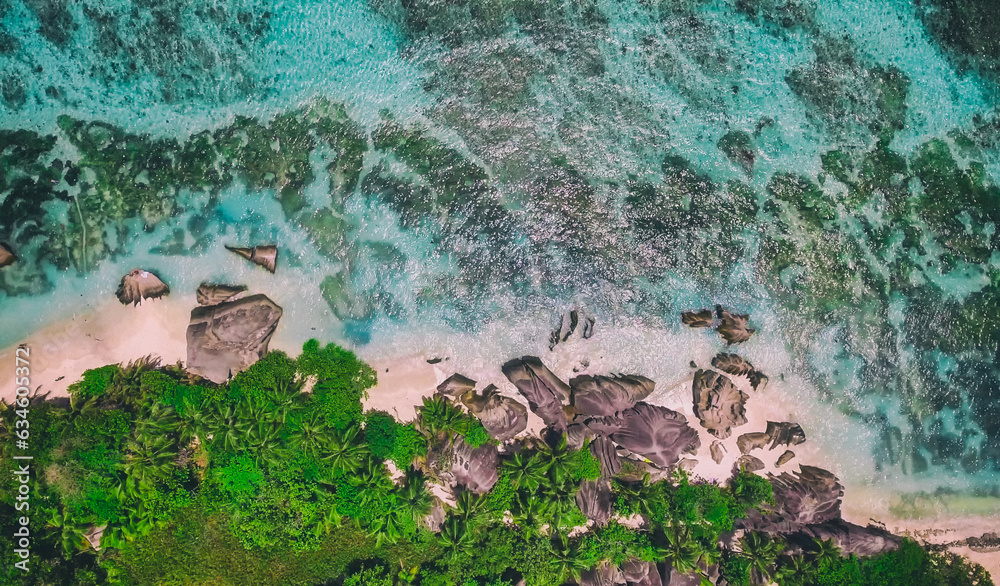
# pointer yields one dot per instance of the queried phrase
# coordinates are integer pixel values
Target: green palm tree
(530, 513)
(228, 427)
(284, 398)
(640, 496)
(264, 442)
(762, 551)
(568, 559)
(456, 538)
(825, 552)
(157, 420)
(469, 507)
(147, 462)
(795, 570)
(71, 533)
(345, 450)
(311, 435)
(525, 470)
(413, 499)
(439, 416)
(559, 462)
(680, 549)
(387, 528)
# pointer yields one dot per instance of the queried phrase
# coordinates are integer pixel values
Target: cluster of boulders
(227, 332)
(808, 507)
(733, 327)
(611, 408)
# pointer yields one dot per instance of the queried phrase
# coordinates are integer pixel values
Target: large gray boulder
(601, 395)
(475, 468)
(227, 338)
(606, 453)
(736, 365)
(656, 433)
(546, 394)
(808, 497)
(850, 538)
(718, 404)
(603, 575)
(733, 326)
(594, 500)
(639, 573)
(502, 416)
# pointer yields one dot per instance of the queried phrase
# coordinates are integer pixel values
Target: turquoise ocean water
(437, 170)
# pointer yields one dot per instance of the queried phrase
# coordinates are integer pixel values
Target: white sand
(114, 333)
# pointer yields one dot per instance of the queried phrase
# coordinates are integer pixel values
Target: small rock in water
(571, 320)
(733, 326)
(7, 256)
(785, 458)
(138, 285)
(265, 256)
(212, 294)
(697, 319)
(434, 360)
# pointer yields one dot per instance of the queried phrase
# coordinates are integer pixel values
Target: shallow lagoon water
(565, 116)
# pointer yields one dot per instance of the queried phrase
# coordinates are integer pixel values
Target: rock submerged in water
(227, 338)
(733, 326)
(546, 394)
(265, 256)
(653, 432)
(7, 256)
(736, 365)
(718, 404)
(571, 320)
(601, 395)
(502, 417)
(212, 294)
(697, 319)
(138, 285)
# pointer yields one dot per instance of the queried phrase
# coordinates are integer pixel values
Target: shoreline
(115, 333)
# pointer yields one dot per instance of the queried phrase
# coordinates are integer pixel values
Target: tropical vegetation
(151, 475)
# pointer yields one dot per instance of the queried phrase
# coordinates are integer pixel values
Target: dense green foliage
(259, 482)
